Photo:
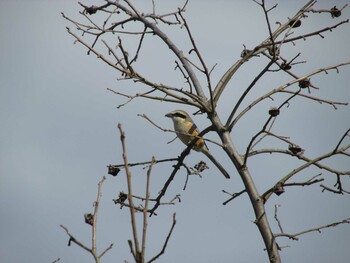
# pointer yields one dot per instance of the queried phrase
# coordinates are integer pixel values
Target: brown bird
(187, 130)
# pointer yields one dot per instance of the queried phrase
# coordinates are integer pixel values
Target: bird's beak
(169, 115)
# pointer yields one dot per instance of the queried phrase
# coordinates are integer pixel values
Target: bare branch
(311, 181)
(229, 124)
(93, 223)
(74, 240)
(139, 46)
(277, 220)
(166, 241)
(99, 55)
(313, 33)
(136, 15)
(106, 250)
(315, 162)
(143, 163)
(317, 229)
(338, 185)
(205, 70)
(341, 140)
(184, 75)
(335, 12)
(305, 159)
(264, 127)
(319, 100)
(124, 60)
(145, 210)
(130, 199)
(233, 196)
(176, 168)
(283, 87)
(257, 50)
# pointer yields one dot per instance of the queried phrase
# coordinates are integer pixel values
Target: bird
(186, 131)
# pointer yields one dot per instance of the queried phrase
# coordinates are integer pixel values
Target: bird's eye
(179, 115)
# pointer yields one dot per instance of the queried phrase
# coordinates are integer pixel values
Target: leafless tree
(122, 19)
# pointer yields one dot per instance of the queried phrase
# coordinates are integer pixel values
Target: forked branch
(91, 219)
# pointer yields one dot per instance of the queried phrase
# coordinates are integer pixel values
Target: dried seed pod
(335, 12)
(286, 66)
(305, 83)
(122, 197)
(274, 111)
(112, 170)
(294, 23)
(91, 10)
(201, 166)
(245, 52)
(278, 189)
(295, 149)
(89, 219)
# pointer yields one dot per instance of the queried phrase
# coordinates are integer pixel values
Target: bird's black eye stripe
(180, 115)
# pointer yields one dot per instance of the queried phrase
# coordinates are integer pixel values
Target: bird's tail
(217, 164)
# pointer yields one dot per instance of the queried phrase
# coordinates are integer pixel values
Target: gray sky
(59, 131)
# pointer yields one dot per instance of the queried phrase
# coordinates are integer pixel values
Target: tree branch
(130, 199)
(317, 229)
(166, 241)
(91, 220)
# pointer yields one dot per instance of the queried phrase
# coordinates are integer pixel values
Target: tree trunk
(258, 205)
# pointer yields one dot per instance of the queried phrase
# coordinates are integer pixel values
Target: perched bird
(187, 130)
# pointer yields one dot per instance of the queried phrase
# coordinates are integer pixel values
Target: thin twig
(143, 163)
(205, 70)
(229, 123)
(233, 196)
(74, 240)
(276, 218)
(304, 158)
(166, 241)
(317, 229)
(283, 87)
(93, 249)
(341, 140)
(264, 127)
(310, 162)
(94, 224)
(145, 210)
(130, 199)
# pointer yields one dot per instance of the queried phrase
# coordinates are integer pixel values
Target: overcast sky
(59, 132)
